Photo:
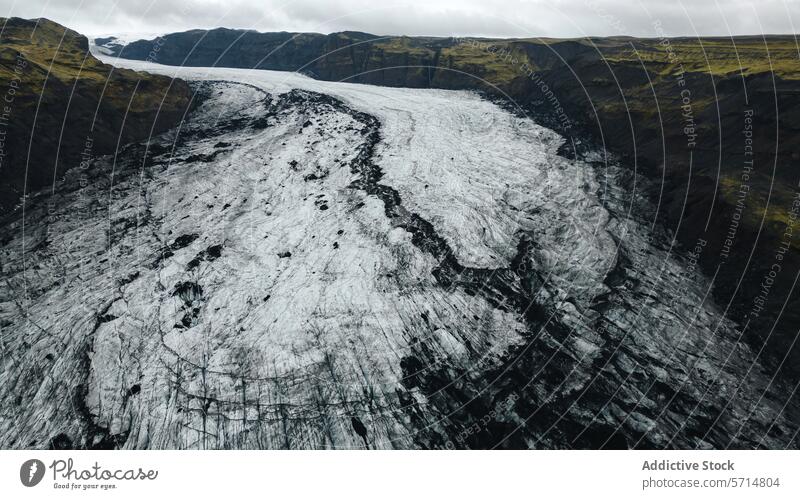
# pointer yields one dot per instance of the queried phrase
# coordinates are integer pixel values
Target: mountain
(62, 106)
(496, 244)
(713, 123)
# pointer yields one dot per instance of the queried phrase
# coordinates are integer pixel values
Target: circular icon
(31, 472)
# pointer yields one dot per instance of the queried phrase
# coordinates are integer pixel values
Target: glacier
(307, 264)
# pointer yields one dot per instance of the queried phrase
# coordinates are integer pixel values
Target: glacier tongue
(308, 264)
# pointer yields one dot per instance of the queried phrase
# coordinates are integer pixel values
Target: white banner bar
(401, 474)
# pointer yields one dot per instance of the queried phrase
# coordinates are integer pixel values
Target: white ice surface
(472, 169)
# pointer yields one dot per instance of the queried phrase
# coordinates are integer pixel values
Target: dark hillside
(62, 105)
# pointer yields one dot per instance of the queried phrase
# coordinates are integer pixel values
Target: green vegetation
(55, 53)
(57, 96)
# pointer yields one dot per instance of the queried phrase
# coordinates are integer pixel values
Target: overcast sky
(504, 18)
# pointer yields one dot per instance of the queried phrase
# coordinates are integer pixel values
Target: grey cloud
(509, 18)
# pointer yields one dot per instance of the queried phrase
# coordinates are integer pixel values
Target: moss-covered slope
(60, 105)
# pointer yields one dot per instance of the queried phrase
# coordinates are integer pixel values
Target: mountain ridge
(65, 104)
